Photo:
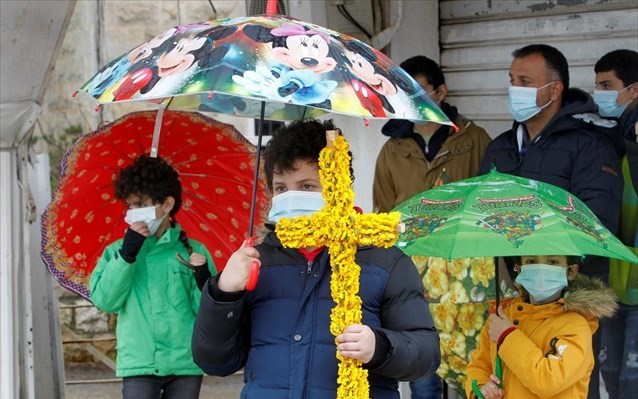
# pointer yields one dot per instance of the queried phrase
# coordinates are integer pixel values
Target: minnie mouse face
(305, 52)
(146, 50)
(365, 71)
(180, 58)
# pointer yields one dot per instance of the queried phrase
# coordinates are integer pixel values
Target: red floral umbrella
(215, 164)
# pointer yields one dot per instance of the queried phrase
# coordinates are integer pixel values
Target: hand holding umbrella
(499, 326)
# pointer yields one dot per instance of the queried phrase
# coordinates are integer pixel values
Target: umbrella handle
(254, 267)
(499, 373)
(499, 370)
(476, 390)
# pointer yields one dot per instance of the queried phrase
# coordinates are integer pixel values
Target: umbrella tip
(366, 122)
(97, 108)
(210, 95)
(75, 93)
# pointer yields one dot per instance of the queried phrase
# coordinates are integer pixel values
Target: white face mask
(543, 282)
(294, 204)
(146, 215)
(522, 102)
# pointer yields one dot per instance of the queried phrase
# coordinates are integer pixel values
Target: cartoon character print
(301, 56)
(587, 229)
(180, 59)
(128, 65)
(422, 226)
(372, 83)
(514, 225)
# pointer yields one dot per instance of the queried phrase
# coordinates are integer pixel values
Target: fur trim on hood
(590, 297)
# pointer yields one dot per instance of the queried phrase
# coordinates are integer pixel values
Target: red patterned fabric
(215, 164)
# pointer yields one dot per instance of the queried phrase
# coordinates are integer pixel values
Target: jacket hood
(401, 128)
(579, 111)
(590, 297)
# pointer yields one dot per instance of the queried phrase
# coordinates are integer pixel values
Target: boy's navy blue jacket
(280, 331)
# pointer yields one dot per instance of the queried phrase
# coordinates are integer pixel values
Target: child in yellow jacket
(543, 339)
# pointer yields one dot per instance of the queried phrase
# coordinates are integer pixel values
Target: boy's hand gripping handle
(254, 267)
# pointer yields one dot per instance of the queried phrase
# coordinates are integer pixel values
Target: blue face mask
(294, 204)
(607, 105)
(522, 102)
(544, 283)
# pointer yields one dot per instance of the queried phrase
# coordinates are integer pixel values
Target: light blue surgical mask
(522, 102)
(607, 105)
(544, 283)
(294, 204)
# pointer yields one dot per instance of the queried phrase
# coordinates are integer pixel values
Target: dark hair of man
(298, 140)
(152, 177)
(555, 60)
(623, 62)
(422, 65)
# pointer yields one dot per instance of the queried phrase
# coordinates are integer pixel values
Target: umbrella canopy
(503, 215)
(232, 65)
(214, 162)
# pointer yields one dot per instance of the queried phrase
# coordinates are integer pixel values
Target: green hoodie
(156, 299)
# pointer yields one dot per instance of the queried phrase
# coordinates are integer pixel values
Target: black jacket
(575, 152)
(280, 331)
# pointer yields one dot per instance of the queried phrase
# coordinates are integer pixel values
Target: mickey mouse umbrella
(214, 162)
(232, 65)
(266, 66)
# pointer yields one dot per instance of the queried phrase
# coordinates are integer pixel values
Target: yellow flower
(421, 263)
(482, 270)
(458, 364)
(458, 268)
(453, 343)
(338, 227)
(471, 318)
(444, 315)
(456, 294)
(436, 280)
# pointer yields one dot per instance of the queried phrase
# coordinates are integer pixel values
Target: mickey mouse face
(365, 71)
(179, 58)
(146, 50)
(305, 52)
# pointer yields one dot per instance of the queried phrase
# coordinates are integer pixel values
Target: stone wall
(98, 32)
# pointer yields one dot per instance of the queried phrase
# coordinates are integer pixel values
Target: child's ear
(573, 271)
(168, 204)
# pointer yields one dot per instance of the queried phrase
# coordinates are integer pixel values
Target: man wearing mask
(616, 96)
(558, 138)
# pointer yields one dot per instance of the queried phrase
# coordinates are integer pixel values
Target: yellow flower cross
(338, 227)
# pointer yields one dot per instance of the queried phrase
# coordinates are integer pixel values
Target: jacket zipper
(439, 155)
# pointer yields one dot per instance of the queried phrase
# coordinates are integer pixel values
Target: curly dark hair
(152, 177)
(298, 140)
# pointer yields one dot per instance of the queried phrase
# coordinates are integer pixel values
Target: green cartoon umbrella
(483, 217)
(503, 215)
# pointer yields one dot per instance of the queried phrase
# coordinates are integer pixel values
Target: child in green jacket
(156, 297)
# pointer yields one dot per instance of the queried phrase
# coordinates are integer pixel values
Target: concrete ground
(105, 388)
(212, 387)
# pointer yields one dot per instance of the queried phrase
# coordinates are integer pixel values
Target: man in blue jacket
(558, 138)
(280, 332)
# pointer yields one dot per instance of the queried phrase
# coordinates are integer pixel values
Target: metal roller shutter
(478, 37)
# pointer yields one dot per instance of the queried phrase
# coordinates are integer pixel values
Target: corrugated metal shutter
(478, 37)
